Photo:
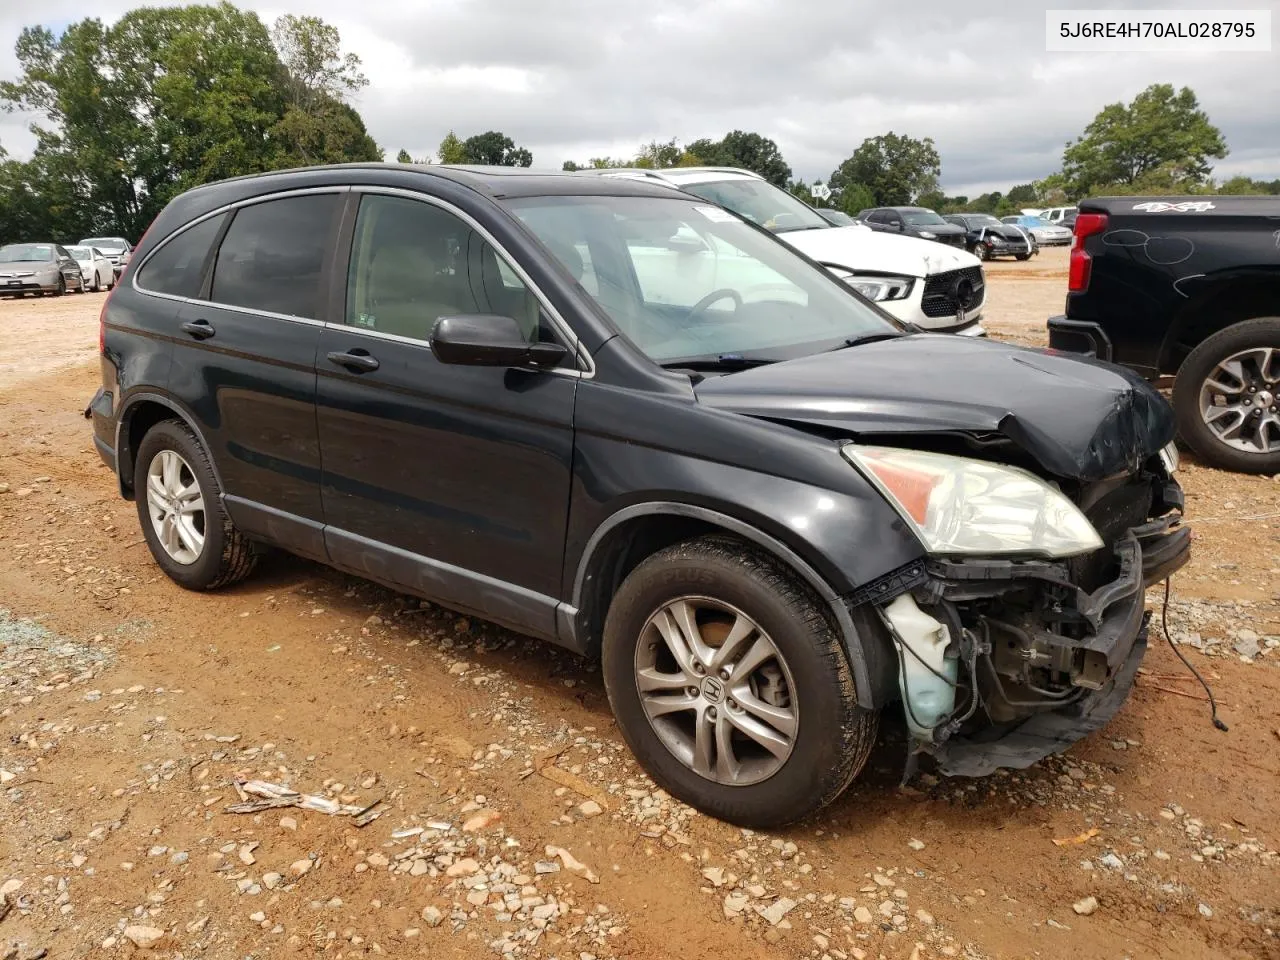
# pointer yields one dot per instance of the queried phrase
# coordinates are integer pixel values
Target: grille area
(940, 292)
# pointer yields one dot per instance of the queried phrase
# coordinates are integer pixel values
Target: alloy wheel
(175, 505)
(1240, 400)
(716, 691)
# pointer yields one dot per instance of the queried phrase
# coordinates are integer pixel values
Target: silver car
(38, 268)
(1045, 233)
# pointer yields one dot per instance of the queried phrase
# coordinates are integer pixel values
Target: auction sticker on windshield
(715, 214)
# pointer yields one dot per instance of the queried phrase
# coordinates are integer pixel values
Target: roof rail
(749, 173)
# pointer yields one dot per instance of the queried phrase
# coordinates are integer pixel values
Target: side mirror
(489, 340)
(687, 244)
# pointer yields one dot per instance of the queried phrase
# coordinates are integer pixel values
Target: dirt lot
(128, 708)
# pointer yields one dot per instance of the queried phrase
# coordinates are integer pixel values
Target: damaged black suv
(625, 421)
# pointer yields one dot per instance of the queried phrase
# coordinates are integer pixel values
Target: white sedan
(97, 270)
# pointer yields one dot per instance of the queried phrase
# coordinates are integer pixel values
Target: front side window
(761, 203)
(177, 267)
(686, 280)
(273, 253)
(413, 263)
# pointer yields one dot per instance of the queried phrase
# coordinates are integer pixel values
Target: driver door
(451, 481)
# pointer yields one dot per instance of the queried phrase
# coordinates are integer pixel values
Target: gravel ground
(510, 819)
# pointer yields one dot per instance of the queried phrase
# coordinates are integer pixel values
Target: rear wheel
(1227, 397)
(182, 514)
(731, 686)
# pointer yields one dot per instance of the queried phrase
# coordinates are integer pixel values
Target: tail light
(1087, 224)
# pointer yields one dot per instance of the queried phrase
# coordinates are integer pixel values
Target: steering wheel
(714, 296)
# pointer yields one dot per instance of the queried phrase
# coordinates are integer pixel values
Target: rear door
(452, 481)
(244, 361)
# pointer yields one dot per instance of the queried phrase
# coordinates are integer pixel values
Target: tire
(1256, 335)
(97, 281)
(82, 287)
(61, 288)
(225, 555)
(1022, 256)
(832, 735)
(981, 252)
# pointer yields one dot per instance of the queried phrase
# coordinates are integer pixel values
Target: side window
(413, 263)
(176, 267)
(272, 255)
(62, 252)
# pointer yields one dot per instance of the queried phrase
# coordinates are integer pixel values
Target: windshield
(1033, 222)
(80, 253)
(984, 222)
(759, 202)
(18, 252)
(922, 218)
(106, 244)
(687, 280)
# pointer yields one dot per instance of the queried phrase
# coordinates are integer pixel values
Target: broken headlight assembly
(961, 506)
(878, 287)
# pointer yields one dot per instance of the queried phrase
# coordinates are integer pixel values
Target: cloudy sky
(572, 79)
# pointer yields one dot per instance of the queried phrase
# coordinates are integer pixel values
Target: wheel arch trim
(127, 407)
(849, 634)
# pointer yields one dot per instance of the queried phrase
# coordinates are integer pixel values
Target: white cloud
(571, 79)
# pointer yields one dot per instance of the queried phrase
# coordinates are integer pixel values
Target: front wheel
(1227, 397)
(182, 514)
(1022, 256)
(61, 288)
(981, 252)
(731, 686)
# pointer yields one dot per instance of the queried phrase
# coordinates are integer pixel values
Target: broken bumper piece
(1038, 637)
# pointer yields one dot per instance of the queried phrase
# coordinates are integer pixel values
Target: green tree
(758, 154)
(494, 149)
(852, 198)
(656, 155)
(895, 168)
(1162, 137)
(452, 150)
(403, 156)
(319, 125)
(162, 100)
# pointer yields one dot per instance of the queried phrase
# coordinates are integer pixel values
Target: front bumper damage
(1037, 662)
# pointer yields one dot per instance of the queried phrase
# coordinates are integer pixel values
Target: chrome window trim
(561, 326)
(227, 208)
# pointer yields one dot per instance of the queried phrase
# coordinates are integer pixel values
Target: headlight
(957, 505)
(928, 236)
(1169, 457)
(880, 288)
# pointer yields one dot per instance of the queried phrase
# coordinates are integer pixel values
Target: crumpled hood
(1007, 231)
(1079, 419)
(860, 248)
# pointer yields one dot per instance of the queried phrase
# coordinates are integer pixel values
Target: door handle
(200, 329)
(357, 360)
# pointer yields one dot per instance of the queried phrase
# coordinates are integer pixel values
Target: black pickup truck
(1187, 287)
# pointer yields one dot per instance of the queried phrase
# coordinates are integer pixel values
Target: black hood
(1079, 419)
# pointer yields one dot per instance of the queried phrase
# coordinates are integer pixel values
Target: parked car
(837, 218)
(986, 237)
(38, 268)
(1186, 287)
(95, 268)
(914, 222)
(1044, 233)
(116, 249)
(918, 282)
(1063, 216)
(749, 494)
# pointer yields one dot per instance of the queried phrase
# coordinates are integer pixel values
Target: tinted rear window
(177, 267)
(272, 254)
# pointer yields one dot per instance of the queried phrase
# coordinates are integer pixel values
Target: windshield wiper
(808, 226)
(870, 338)
(725, 361)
